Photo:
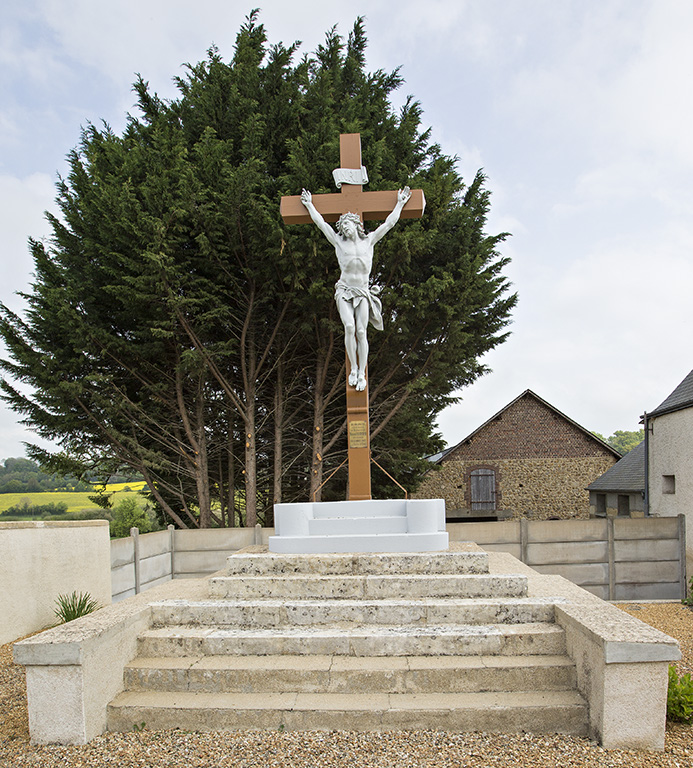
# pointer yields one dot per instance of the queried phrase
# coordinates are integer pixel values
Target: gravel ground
(398, 749)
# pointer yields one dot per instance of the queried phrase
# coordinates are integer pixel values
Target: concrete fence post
(172, 546)
(611, 549)
(257, 537)
(524, 536)
(682, 555)
(135, 533)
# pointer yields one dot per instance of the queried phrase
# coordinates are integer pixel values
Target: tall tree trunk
(231, 475)
(318, 428)
(278, 433)
(202, 464)
(250, 461)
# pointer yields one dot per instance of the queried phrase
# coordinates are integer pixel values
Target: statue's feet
(361, 383)
(353, 377)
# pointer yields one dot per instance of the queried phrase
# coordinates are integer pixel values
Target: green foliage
(36, 510)
(128, 514)
(21, 475)
(74, 605)
(680, 697)
(622, 440)
(177, 328)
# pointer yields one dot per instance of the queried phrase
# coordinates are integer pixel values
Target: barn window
(483, 482)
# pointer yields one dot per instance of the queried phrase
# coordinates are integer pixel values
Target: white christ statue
(357, 300)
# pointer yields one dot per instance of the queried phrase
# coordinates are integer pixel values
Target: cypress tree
(176, 327)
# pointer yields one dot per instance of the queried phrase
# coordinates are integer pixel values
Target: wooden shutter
(483, 489)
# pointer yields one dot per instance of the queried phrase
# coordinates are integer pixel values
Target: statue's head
(354, 219)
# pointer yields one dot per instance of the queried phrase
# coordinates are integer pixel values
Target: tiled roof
(681, 397)
(627, 475)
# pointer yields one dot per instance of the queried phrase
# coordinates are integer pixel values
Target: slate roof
(681, 397)
(626, 476)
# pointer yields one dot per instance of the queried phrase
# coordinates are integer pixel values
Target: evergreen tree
(176, 327)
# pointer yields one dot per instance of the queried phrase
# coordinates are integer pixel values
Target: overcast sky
(580, 112)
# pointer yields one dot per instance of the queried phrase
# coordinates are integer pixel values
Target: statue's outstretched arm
(323, 226)
(402, 196)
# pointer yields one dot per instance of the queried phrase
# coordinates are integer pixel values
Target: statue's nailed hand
(306, 197)
(403, 195)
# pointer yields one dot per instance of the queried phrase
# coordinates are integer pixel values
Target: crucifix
(357, 301)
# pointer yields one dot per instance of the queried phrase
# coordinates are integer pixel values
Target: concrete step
(374, 640)
(347, 674)
(361, 542)
(342, 526)
(348, 564)
(280, 613)
(360, 587)
(361, 509)
(539, 712)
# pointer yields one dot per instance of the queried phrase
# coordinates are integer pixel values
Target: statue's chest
(354, 258)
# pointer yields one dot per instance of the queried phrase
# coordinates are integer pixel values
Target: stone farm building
(529, 460)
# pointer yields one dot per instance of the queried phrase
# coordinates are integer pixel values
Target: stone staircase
(357, 642)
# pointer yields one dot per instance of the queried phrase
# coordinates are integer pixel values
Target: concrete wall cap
(69, 644)
(36, 524)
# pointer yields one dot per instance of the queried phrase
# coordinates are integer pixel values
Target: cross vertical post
(367, 205)
(358, 423)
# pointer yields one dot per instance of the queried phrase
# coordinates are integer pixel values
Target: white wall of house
(671, 470)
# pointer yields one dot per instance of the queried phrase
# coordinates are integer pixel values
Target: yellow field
(75, 501)
(122, 486)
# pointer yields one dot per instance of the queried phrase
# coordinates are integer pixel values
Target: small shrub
(74, 605)
(680, 697)
(127, 514)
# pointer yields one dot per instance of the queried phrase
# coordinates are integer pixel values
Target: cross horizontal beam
(368, 205)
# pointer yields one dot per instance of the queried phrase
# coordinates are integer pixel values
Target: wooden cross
(368, 205)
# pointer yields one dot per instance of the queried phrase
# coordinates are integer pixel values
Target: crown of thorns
(353, 217)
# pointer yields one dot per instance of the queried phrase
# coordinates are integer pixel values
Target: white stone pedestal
(392, 525)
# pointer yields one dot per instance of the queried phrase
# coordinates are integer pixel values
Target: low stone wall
(540, 489)
(43, 559)
(613, 558)
(622, 663)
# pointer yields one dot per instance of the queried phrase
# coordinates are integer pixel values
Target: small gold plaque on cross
(358, 434)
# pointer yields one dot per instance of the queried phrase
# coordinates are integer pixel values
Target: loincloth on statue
(356, 296)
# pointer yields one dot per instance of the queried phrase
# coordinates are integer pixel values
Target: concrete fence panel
(566, 530)
(201, 552)
(141, 561)
(615, 559)
(612, 558)
(545, 553)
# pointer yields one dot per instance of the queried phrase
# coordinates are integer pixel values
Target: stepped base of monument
(383, 525)
(459, 640)
(537, 712)
(362, 642)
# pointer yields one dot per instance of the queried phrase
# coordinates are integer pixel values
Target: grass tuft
(74, 605)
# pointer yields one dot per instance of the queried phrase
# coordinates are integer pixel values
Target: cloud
(22, 203)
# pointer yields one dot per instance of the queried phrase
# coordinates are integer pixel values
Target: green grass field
(75, 501)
